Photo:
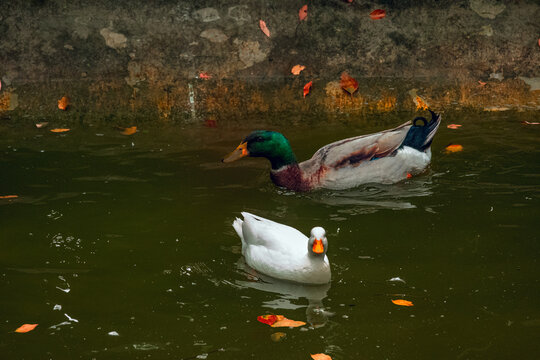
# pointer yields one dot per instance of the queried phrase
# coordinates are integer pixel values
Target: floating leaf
(288, 323)
(204, 75)
(278, 336)
(269, 319)
(297, 69)
(320, 356)
(40, 125)
(302, 14)
(452, 148)
(263, 27)
(481, 83)
(453, 126)
(348, 83)
(1, 82)
(377, 14)
(59, 130)
(409, 175)
(307, 87)
(402, 302)
(9, 196)
(63, 103)
(26, 328)
(129, 130)
(530, 123)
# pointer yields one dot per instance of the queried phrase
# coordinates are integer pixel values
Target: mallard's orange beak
(318, 247)
(238, 153)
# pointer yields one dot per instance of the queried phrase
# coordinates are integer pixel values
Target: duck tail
(420, 137)
(237, 225)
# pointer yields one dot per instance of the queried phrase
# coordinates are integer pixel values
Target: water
(121, 247)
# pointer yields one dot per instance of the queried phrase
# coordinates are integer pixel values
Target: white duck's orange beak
(240, 152)
(318, 247)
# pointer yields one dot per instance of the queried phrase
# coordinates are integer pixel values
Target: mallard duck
(385, 157)
(282, 252)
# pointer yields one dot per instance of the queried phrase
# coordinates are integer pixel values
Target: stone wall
(194, 59)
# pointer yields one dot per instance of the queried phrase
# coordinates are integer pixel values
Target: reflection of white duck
(283, 252)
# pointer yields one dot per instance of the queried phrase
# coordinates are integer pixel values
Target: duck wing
(258, 231)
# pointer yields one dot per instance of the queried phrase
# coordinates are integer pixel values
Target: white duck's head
(317, 244)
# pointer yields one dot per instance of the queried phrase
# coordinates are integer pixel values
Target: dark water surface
(131, 236)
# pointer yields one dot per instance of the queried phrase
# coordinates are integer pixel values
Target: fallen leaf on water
(278, 336)
(453, 126)
(452, 148)
(288, 323)
(402, 302)
(320, 356)
(26, 328)
(409, 175)
(59, 130)
(204, 75)
(530, 123)
(296, 69)
(348, 83)
(302, 14)
(1, 82)
(263, 27)
(279, 321)
(41, 124)
(129, 130)
(377, 14)
(63, 103)
(9, 196)
(307, 87)
(481, 83)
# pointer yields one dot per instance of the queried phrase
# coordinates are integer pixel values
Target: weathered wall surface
(137, 56)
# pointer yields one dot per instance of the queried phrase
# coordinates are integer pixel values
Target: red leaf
(303, 13)
(26, 328)
(263, 27)
(212, 123)
(348, 83)
(307, 87)
(204, 75)
(267, 319)
(377, 14)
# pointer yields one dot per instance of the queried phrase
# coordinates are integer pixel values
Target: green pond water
(121, 247)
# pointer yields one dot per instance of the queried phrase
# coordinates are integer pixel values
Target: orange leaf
(320, 356)
(307, 87)
(481, 83)
(263, 27)
(63, 103)
(377, 14)
(297, 69)
(452, 148)
(9, 196)
(204, 75)
(288, 323)
(348, 83)
(302, 14)
(453, 126)
(59, 130)
(26, 328)
(421, 104)
(402, 302)
(129, 131)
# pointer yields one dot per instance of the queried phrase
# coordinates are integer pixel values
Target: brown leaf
(263, 27)
(63, 103)
(278, 336)
(26, 328)
(348, 83)
(402, 302)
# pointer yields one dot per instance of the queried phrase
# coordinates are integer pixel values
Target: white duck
(283, 252)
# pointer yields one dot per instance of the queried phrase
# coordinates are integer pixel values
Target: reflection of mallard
(283, 252)
(384, 157)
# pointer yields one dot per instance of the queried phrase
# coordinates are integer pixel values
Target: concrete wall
(147, 57)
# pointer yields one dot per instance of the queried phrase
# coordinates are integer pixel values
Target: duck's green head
(262, 143)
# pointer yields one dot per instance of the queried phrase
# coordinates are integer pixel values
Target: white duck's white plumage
(281, 251)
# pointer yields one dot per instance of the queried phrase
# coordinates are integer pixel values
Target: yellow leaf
(402, 302)
(278, 336)
(59, 130)
(129, 131)
(320, 356)
(26, 328)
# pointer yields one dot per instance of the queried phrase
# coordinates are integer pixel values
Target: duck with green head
(388, 156)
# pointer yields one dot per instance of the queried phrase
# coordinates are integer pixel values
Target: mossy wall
(152, 58)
